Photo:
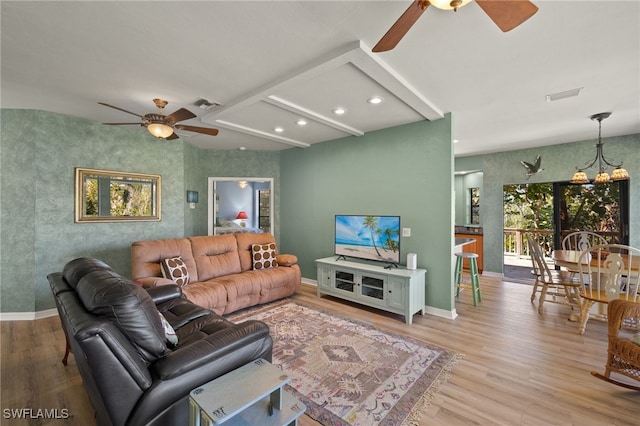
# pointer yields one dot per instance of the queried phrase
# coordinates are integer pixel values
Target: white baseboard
(28, 316)
(309, 281)
(441, 312)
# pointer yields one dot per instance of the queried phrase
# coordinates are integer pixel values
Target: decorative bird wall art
(532, 169)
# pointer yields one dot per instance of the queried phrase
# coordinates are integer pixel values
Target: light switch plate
(406, 232)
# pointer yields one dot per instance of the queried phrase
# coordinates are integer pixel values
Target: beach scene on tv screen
(369, 237)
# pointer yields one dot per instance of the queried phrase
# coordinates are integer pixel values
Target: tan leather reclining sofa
(220, 269)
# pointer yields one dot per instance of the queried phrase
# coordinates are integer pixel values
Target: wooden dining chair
(582, 240)
(532, 243)
(554, 286)
(607, 272)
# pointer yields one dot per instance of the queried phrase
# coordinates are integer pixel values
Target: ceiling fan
(506, 14)
(163, 126)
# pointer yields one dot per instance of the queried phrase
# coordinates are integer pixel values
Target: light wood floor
(520, 368)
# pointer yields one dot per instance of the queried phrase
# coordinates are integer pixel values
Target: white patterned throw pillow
(169, 332)
(175, 269)
(264, 256)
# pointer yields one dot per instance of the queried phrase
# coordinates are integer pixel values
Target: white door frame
(211, 208)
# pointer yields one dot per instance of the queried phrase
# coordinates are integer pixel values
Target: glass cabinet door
(345, 281)
(373, 287)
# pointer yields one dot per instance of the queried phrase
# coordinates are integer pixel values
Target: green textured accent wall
(39, 153)
(405, 170)
(17, 214)
(200, 165)
(558, 162)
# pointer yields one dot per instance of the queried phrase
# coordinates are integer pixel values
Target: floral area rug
(349, 373)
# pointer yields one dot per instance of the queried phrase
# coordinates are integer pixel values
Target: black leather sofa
(132, 374)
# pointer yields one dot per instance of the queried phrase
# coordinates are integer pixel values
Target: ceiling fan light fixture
(449, 4)
(160, 130)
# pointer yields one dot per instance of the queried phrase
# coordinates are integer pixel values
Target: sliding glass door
(550, 211)
(599, 208)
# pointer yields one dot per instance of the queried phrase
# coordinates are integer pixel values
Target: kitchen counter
(470, 243)
(468, 230)
(459, 242)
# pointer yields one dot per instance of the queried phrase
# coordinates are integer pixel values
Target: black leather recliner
(132, 374)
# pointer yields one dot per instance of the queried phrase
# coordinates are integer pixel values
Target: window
(474, 214)
(264, 210)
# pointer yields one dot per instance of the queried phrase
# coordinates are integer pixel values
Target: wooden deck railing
(515, 243)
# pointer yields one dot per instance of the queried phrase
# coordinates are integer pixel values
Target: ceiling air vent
(563, 95)
(205, 104)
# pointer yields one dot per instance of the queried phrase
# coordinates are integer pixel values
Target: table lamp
(242, 215)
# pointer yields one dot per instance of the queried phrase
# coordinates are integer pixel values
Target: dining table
(570, 259)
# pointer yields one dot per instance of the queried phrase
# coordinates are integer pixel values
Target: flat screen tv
(368, 237)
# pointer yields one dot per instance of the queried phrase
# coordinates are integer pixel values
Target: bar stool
(473, 272)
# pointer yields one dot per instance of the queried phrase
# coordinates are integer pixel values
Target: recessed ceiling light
(374, 100)
(301, 122)
(279, 129)
(339, 111)
(242, 148)
(456, 141)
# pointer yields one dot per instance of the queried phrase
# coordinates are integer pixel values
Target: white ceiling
(269, 63)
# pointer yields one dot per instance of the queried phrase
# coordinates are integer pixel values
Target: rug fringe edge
(413, 419)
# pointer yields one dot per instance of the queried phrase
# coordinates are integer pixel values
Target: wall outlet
(406, 232)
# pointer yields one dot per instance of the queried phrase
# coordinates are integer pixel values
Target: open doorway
(528, 209)
(240, 205)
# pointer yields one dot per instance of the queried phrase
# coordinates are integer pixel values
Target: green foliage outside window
(91, 197)
(590, 207)
(126, 198)
(528, 206)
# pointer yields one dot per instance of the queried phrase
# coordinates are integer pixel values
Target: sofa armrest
(205, 351)
(149, 282)
(286, 259)
(164, 293)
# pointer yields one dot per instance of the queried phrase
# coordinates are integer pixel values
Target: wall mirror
(112, 196)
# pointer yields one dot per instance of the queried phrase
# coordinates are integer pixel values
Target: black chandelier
(580, 177)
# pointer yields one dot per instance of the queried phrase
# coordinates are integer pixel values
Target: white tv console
(395, 290)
